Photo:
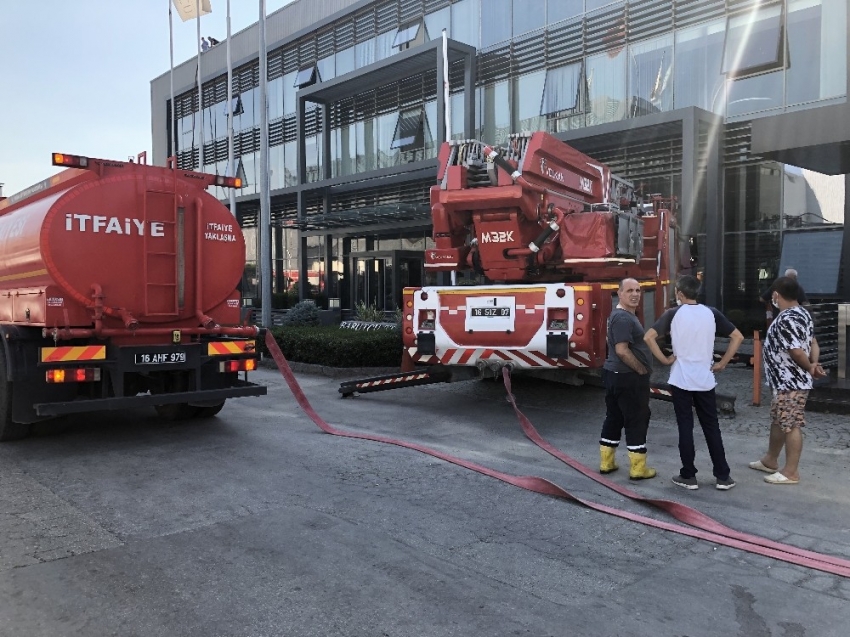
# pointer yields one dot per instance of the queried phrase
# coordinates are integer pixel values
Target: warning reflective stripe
(62, 354)
(230, 347)
(389, 381)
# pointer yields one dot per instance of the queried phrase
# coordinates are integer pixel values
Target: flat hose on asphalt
(703, 527)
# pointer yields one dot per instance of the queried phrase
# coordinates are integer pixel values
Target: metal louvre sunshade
(366, 216)
(405, 64)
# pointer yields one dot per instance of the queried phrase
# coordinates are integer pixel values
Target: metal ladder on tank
(171, 228)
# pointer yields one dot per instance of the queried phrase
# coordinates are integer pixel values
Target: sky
(76, 76)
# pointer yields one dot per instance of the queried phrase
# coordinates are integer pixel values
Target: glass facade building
(669, 93)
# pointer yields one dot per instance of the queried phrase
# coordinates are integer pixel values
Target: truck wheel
(209, 412)
(8, 430)
(176, 411)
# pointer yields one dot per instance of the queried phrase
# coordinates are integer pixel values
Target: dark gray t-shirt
(624, 327)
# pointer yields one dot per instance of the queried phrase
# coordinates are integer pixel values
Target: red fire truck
(119, 289)
(551, 232)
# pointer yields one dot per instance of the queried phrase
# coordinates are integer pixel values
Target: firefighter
(626, 376)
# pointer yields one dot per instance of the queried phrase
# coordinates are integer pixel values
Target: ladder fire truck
(551, 233)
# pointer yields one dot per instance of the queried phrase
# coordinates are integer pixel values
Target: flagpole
(231, 168)
(265, 224)
(200, 92)
(447, 108)
(173, 149)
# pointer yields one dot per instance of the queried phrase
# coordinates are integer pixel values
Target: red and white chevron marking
(520, 358)
(391, 381)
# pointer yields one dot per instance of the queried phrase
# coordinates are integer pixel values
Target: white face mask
(773, 301)
(678, 301)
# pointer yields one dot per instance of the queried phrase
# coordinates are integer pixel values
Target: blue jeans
(704, 402)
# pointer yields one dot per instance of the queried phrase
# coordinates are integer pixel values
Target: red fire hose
(706, 527)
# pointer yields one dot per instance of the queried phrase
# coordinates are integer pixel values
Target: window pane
(495, 22)
(606, 80)
(529, 15)
(495, 113)
(384, 45)
(465, 20)
(456, 102)
(247, 119)
(562, 9)
(290, 164)
(406, 34)
(276, 167)
(364, 53)
(699, 79)
(432, 136)
(817, 50)
(289, 90)
(305, 77)
(275, 96)
(326, 67)
(753, 41)
(750, 265)
(345, 61)
(562, 89)
(596, 4)
(650, 76)
(385, 126)
(436, 22)
(753, 94)
(529, 97)
(811, 198)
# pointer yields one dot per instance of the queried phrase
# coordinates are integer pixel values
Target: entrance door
(378, 278)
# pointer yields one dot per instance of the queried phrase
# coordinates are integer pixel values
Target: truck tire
(176, 411)
(209, 412)
(8, 430)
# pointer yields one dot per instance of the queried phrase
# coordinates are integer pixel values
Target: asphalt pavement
(257, 523)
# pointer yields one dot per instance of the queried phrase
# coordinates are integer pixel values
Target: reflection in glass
(558, 10)
(364, 53)
(384, 45)
(436, 22)
(432, 138)
(753, 94)
(345, 61)
(699, 79)
(276, 167)
(385, 126)
(495, 22)
(465, 21)
(406, 34)
(327, 68)
(249, 163)
(650, 76)
(290, 164)
(495, 112)
(529, 98)
(529, 15)
(753, 41)
(606, 87)
(562, 98)
(275, 97)
(457, 102)
(817, 50)
(247, 119)
(289, 90)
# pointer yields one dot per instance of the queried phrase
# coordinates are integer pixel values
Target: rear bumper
(210, 396)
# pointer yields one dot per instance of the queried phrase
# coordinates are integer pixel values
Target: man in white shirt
(693, 328)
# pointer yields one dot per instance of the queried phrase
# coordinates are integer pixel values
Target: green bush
(304, 313)
(368, 313)
(336, 347)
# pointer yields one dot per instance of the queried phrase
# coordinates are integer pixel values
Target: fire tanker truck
(119, 289)
(552, 233)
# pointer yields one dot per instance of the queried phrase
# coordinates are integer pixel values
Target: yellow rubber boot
(638, 469)
(607, 464)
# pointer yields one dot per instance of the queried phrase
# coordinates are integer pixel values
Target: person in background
(771, 310)
(790, 363)
(625, 374)
(701, 290)
(693, 328)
